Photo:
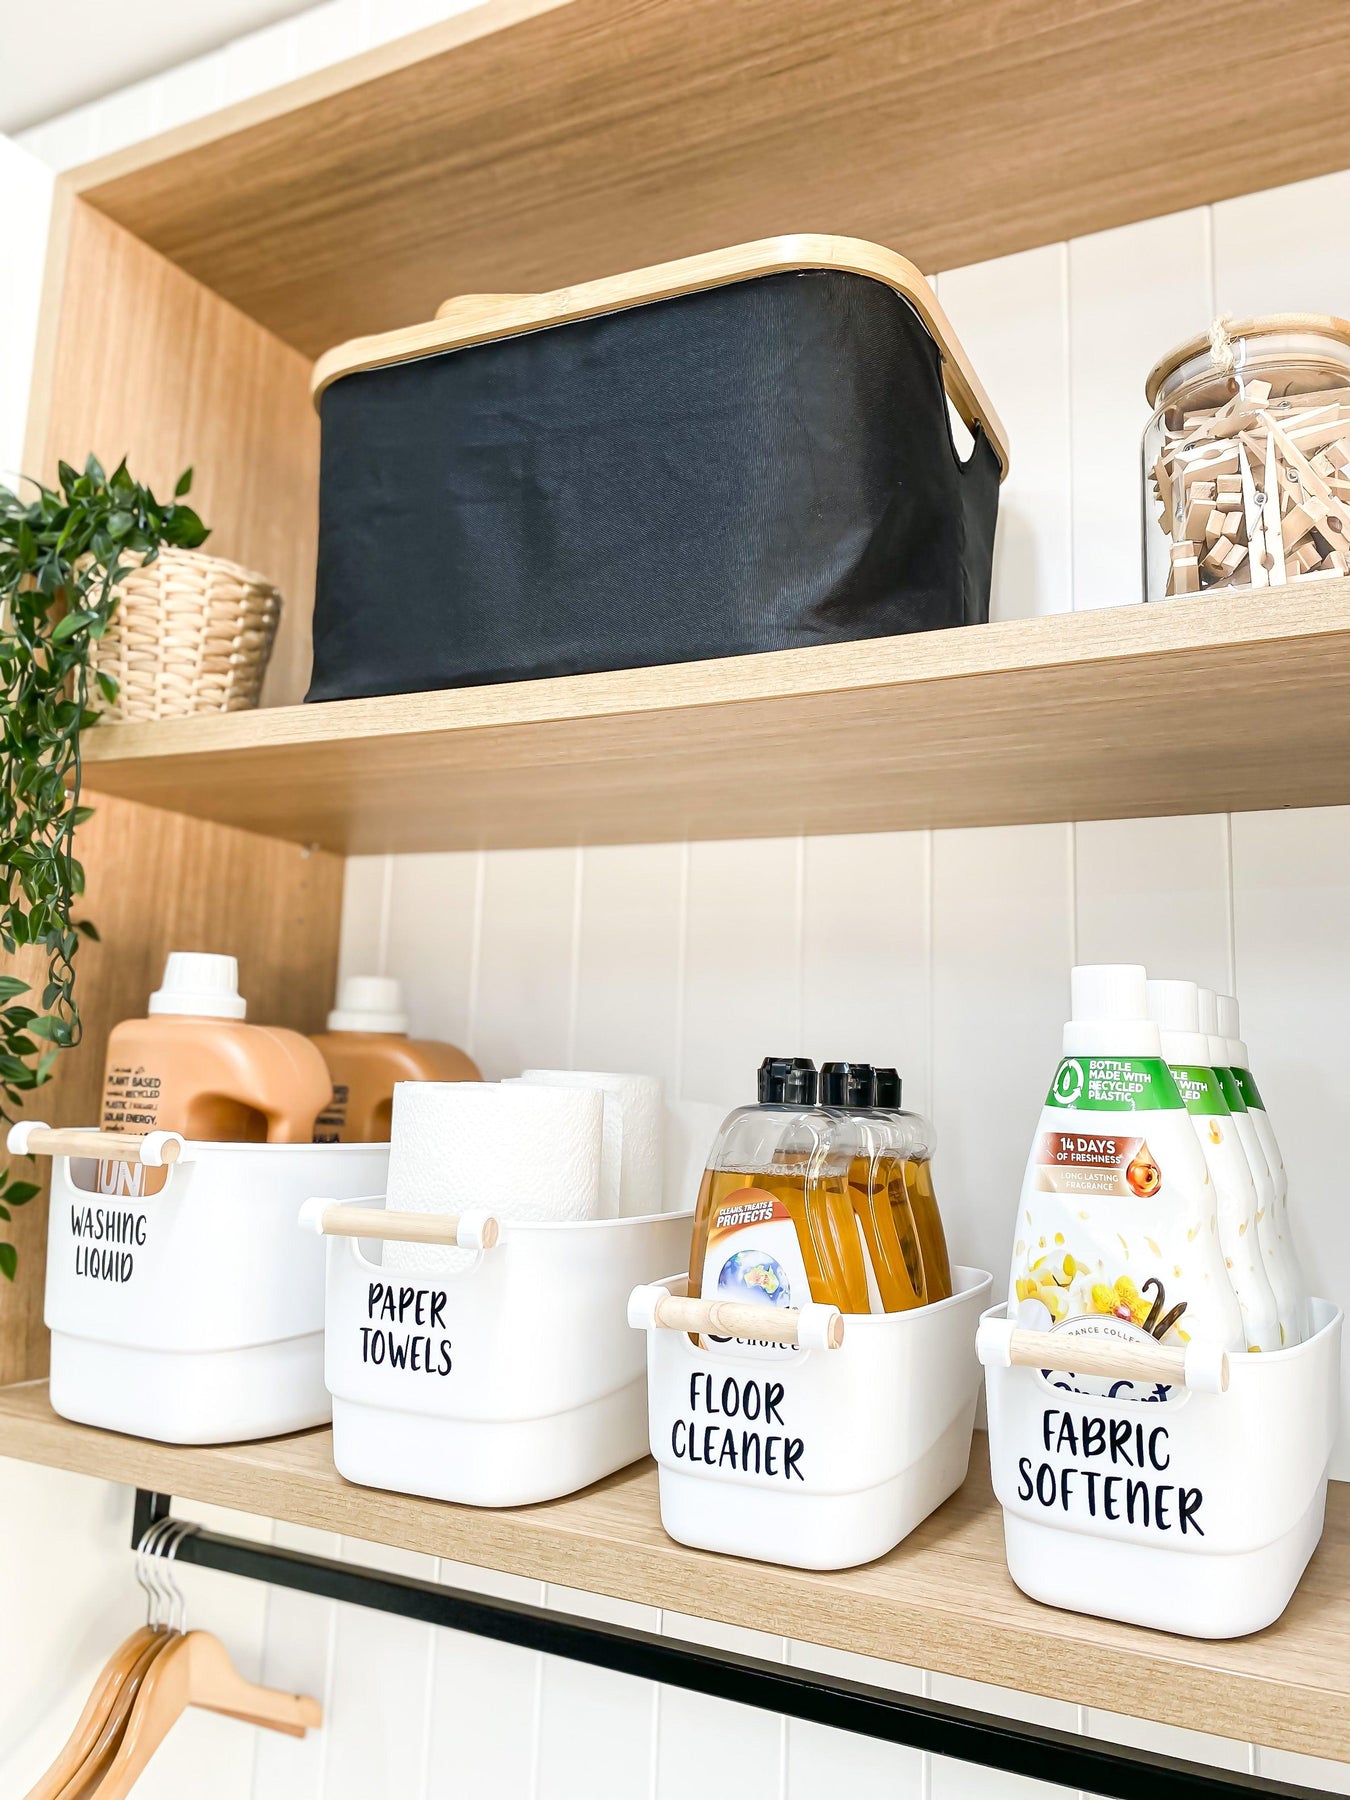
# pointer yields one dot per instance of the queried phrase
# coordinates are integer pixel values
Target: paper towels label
(753, 1256)
(405, 1330)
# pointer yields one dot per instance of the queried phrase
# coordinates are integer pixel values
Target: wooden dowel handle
(336, 1220)
(29, 1138)
(743, 1319)
(1068, 1353)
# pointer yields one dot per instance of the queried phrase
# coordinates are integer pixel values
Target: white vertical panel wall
(946, 952)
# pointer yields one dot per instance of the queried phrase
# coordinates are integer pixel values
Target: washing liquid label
(754, 1257)
(1118, 1233)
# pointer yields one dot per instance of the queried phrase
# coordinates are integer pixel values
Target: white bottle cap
(1208, 1006)
(200, 986)
(1226, 1010)
(1109, 991)
(1110, 1012)
(1174, 1005)
(369, 1003)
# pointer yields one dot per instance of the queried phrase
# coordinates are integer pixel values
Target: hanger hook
(168, 1549)
(147, 1573)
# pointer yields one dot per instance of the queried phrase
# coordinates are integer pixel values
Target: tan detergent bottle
(195, 1067)
(1174, 1007)
(367, 1049)
(1117, 1234)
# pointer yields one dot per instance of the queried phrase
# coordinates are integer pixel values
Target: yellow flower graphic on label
(1122, 1300)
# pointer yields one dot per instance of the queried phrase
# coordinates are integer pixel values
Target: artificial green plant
(62, 554)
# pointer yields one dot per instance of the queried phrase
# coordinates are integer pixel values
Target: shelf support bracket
(993, 1742)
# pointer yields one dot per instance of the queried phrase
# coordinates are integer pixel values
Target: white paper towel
(518, 1151)
(632, 1157)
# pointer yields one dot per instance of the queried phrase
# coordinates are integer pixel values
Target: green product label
(1232, 1093)
(1114, 1084)
(1251, 1094)
(1200, 1089)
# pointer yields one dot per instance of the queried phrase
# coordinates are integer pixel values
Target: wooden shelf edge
(942, 1600)
(274, 104)
(1194, 625)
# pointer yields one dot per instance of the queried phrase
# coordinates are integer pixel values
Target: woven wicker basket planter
(191, 634)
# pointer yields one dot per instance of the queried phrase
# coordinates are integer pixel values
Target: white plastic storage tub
(1172, 1500)
(182, 1302)
(822, 1458)
(512, 1380)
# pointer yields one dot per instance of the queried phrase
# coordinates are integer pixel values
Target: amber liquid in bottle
(937, 1268)
(881, 1206)
(819, 1205)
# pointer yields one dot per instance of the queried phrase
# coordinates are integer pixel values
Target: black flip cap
(800, 1087)
(888, 1087)
(773, 1076)
(847, 1084)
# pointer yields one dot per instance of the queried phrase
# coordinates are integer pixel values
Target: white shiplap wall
(947, 952)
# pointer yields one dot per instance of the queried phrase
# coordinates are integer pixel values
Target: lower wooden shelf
(943, 1600)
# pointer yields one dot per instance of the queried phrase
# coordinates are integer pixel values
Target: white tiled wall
(946, 952)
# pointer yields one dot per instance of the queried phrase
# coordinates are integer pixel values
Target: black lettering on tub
(707, 1438)
(106, 1238)
(413, 1352)
(1098, 1467)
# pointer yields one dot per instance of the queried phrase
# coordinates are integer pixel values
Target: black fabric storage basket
(753, 465)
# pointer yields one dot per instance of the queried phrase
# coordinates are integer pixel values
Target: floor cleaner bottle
(1117, 1234)
(1277, 1239)
(773, 1223)
(920, 1141)
(195, 1067)
(367, 1049)
(876, 1187)
(1174, 1006)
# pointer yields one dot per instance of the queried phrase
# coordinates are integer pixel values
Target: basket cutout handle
(151, 1149)
(463, 1231)
(812, 1327)
(1000, 1344)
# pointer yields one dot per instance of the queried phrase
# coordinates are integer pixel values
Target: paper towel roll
(525, 1152)
(632, 1158)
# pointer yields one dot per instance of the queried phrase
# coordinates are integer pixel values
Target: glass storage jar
(1247, 457)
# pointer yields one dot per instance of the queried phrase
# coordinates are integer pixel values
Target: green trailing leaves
(62, 554)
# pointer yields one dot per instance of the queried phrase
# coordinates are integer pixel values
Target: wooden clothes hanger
(194, 1669)
(98, 1730)
(85, 1779)
(111, 1682)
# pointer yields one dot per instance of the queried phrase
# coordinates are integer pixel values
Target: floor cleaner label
(754, 1257)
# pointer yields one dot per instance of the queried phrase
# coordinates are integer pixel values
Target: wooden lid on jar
(1326, 325)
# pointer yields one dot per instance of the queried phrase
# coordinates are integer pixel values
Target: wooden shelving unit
(1199, 705)
(531, 143)
(943, 1600)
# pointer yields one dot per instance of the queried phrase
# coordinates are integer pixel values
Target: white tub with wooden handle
(821, 1459)
(183, 1304)
(1188, 1495)
(510, 1381)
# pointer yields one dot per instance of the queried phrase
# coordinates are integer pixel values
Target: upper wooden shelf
(943, 1600)
(527, 144)
(1233, 703)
